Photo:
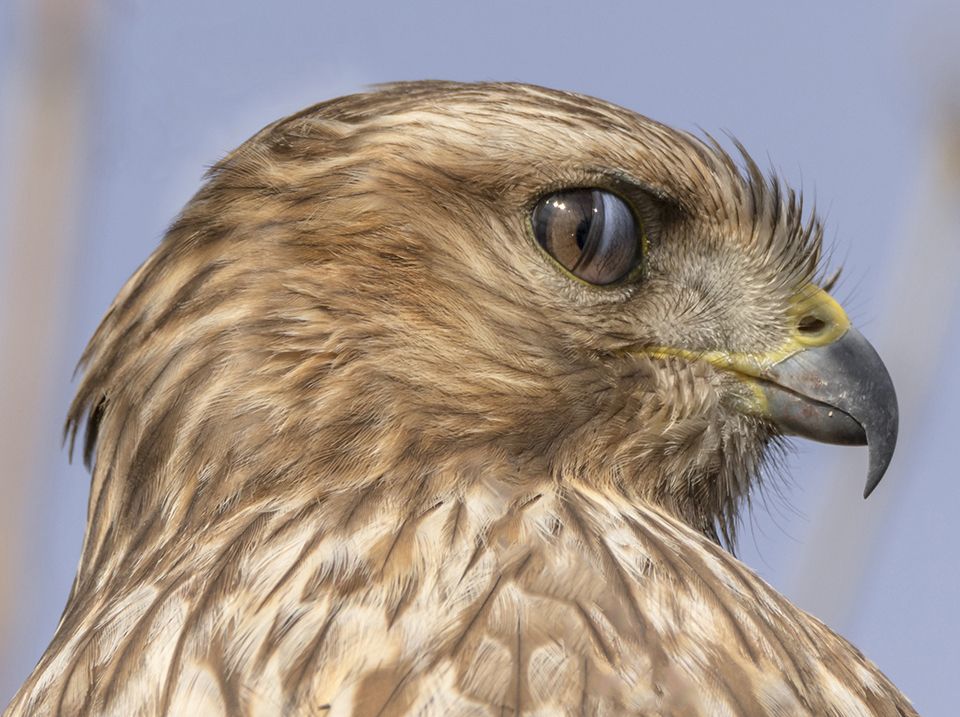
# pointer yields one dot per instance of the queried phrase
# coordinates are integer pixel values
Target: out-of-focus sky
(857, 102)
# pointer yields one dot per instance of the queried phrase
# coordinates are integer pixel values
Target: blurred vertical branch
(922, 300)
(46, 143)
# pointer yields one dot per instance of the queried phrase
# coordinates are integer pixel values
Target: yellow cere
(816, 320)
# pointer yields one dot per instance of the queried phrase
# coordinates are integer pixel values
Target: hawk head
(439, 397)
(451, 280)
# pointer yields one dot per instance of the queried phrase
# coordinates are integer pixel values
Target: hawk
(446, 399)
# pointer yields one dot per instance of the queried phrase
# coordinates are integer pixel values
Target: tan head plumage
(362, 445)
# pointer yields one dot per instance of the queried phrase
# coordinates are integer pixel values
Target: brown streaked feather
(359, 448)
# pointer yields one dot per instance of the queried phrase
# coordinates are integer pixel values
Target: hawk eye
(591, 232)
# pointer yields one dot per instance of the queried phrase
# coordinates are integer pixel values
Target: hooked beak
(838, 393)
(826, 382)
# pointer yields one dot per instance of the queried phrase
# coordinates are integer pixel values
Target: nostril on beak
(811, 325)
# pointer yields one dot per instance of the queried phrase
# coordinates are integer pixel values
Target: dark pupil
(583, 231)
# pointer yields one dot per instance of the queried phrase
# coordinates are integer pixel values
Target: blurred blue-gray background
(111, 110)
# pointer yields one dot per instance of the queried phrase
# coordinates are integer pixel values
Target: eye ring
(592, 233)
